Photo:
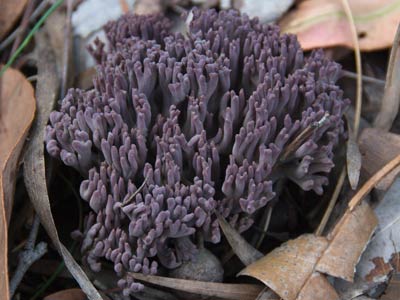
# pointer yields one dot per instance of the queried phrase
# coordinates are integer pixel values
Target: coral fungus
(178, 127)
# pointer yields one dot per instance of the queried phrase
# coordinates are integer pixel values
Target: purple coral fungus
(178, 127)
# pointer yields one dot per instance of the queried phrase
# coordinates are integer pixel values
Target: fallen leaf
(9, 14)
(70, 294)
(34, 166)
(287, 268)
(17, 110)
(375, 265)
(347, 242)
(211, 289)
(323, 23)
(291, 269)
(244, 251)
(377, 148)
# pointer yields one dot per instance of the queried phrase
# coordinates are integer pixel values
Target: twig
(357, 54)
(24, 24)
(27, 257)
(302, 137)
(67, 48)
(29, 36)
(266, 225)
(391, 96)
(365, 78)
(135, 193)
(38, 11)
(332, 203)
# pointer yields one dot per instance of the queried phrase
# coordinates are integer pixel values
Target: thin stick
(357, 54)
(29, 36)
(332, 203)
(38, 11)
(67, 48)
(135, 193)
(24, 24)
(27, 257)
(365, 78)
(370, 184)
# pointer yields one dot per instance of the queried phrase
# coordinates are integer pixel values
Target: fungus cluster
(181, 126)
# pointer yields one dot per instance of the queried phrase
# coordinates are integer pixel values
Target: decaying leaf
(244, 251)
(34, 167)
(323, 23)
(294, 270)
(377, 148)
(9, 13)
(211, 289)
(375, 265)
(70, 294)
(17, 110)
(287, 268)
(347, 242)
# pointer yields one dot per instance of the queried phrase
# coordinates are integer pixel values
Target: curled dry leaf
(244, 251)
(290, 267)
(347, 242)
(323, 23)
(70, 294)
(210, 289)
(9, 14)
(17, 110)
(378, 147)
(34, 166)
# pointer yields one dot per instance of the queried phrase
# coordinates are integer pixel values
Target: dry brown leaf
(378, 147)
(347, 242)
(70, 294)
(323, 23)
(290, 267)
(211, 289)
(373, 181)
(290, 270)
(17, 111)
(34, 166)
(244, 251)
(9, 14)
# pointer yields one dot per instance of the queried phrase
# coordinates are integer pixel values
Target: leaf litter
(307, 258)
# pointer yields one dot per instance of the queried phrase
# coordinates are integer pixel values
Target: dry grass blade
(370, 184)
(244, 251)
(210, 289)
(353, 160)
(332, 203)
(10, 12)
(17, 110)
(34, 167)
(391, 96)
(357, 55)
